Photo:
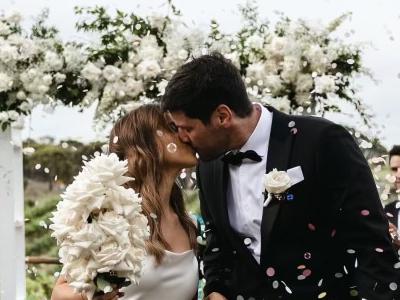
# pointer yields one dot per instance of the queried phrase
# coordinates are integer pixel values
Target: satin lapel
(221, 174)
(278, 157)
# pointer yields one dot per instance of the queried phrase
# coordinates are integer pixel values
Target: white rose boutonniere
(276, 182)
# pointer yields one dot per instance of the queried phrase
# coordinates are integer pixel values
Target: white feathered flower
(99, 225)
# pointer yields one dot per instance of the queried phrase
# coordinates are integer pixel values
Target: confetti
(115, 139)
(338, 275)
(307, 255)
(247, 241)
(270, 272)
(379, 250)
(365, 212)
(350, 251)
(46, 170)
(153, 215)
(275, 284)
(159, 133)
(311, 226)
(353, 293)
(291, 124)
(293, 131)
(322, 295)
(171, 147)
(38, 166)
(301, 277)
(307, 272)
(214, 250)
(333, 233)
(301, 267)
(393, 286)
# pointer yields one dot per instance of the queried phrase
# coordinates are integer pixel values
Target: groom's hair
(201, 85)
(394, 151)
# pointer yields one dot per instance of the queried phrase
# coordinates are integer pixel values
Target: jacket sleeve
(362, 228)
(215, 256)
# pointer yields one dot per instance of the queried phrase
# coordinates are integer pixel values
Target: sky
(376, 22)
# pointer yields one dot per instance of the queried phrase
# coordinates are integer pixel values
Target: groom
(323, 237)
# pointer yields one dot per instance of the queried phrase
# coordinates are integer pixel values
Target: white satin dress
(175, 278)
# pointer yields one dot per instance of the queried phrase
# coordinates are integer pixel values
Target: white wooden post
(12, 221)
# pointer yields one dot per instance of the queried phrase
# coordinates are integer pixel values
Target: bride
(155, 158)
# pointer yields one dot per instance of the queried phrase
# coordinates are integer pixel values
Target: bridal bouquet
(100, 228)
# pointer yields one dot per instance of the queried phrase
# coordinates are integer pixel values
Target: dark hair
(394, 151)
(137, 143)
(199, 86)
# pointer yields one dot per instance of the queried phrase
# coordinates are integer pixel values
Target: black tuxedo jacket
(392, 212)
(334, 230)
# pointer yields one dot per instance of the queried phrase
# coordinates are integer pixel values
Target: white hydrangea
(290, 68)
(8, 53)
(256, 71)
(74, 58)
(278, 45)
(148, 69)
(6, 82)
(254, 42)
(304, 83)
(325, 84)
(4, 29)
(273, 83)
(91, 72)
(133, 87)
(112, 73)
(113, 239)
(280, 103)
(52, 62)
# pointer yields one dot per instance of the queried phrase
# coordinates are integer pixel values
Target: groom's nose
(183, 136)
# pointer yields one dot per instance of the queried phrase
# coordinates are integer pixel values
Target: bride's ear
(222, 116)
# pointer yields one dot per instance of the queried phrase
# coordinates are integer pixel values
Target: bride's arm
(62, 291)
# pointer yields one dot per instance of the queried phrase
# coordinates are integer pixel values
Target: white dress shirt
(245, 188)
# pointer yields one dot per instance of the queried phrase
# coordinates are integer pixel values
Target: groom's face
(208, 140)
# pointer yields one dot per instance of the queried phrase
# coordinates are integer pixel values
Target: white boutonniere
(278, 182)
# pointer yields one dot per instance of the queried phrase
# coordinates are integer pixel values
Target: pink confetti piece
(270, 272)
(365, 212)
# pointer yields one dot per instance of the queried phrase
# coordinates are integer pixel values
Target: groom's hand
(215, 296)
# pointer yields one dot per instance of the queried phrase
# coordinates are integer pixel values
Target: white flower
(6, 82)
(91, 72)
(8, 54)
(4, 29)
(157, 21)
(254, 42)
(133, 87)
(75, 58)
(290, 68)
(26, 105)
(149, 49)
(112, 73)
(148, 69)
(280, 103)
(161, 87)
(325, 84)
(59, 78)
(274, 83)
(315, 55)
(278, 45)
(276, 182)
(256, 71)
(13, 115)
(304, 83)
(302, 99)
(52, 61)
(3, 117)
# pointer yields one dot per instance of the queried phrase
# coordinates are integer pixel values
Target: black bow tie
(236, 158)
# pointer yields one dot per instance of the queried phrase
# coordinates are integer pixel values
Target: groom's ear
(222, 116)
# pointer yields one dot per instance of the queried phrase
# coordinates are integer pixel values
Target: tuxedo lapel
(278, 157)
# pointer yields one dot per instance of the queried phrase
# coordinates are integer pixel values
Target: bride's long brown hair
(134, 137)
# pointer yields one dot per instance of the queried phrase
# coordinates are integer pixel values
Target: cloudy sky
(373, 21)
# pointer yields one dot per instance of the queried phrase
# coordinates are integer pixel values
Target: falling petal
(171, 147)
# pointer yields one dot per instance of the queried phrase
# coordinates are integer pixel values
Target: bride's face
(175, 152)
